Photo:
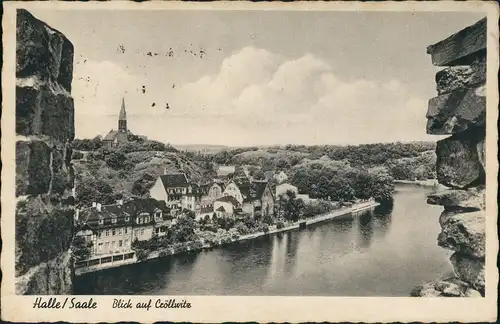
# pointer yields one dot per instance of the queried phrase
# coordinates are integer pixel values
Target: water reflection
(385, 251)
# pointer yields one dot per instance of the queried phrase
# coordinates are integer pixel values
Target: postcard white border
(268, 308)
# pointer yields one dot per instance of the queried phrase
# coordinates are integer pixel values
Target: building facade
(117, 137)
(113, 228)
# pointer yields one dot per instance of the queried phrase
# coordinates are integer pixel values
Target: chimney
(94, 204)
(98, 206)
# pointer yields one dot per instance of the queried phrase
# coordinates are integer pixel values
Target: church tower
(122, 119)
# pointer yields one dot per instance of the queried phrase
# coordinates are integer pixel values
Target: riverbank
(127, 258)
(423, 183)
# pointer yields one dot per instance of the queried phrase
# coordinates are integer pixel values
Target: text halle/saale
(55, 303)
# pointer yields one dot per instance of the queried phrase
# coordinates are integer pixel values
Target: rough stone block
(470, 199)
(469, 270)
(460, 48)
(463, 233)
(32, 167)
(457, 163)
(457, 111)
(40, 167)
(41, 110)
(461, 77)
(451, 287)
(42, 51)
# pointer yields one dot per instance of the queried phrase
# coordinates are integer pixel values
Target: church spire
(122, 119)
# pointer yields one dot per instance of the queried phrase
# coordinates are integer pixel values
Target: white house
(233, 190)
(252, 196)
(170, 188)
(226, 206)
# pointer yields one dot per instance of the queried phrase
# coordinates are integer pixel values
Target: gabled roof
(132, 208)
(110, 136)
(229, 199)
(173, 180)
(251, 190)
(221, 209)
(122, 136)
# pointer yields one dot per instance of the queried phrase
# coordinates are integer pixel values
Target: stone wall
(44, 128)
(459, 110)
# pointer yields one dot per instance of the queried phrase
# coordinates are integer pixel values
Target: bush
(263, 228)
(268, 220)
(242, 228)
(141, 254)
(280, 224)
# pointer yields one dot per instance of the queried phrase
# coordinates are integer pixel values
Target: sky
(258, 77)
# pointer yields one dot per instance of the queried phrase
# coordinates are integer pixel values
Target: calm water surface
(381, 252)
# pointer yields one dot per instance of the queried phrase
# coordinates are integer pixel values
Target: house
(214, 190)
(170, 188)
(117, 137)
(114, 227)
(192, 198)
(206, 208)
(226, 206)
(283, 188)
(225, 170)
(254, 196)
(280, 177)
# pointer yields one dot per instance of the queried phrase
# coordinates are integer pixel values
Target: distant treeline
(405, 161)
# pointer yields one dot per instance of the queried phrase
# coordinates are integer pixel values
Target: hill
(106, 175)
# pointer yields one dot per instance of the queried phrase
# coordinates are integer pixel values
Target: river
(382, 252)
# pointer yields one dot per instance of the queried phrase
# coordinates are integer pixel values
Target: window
(120, 243)
(113, 220)
(125, 230)
(114, 232)
(107, 232)
(99, 233)
(127, 218)
(101, 221)
(119, 231)
(126, 242)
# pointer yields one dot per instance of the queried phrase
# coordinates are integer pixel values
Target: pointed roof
(173, 180)
(123, 113)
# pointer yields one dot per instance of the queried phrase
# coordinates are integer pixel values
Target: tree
(259, 175)
(81, 249)
(291, 206)
(184, 229)
(117, 160)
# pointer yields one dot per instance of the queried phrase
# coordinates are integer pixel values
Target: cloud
(258, 97)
